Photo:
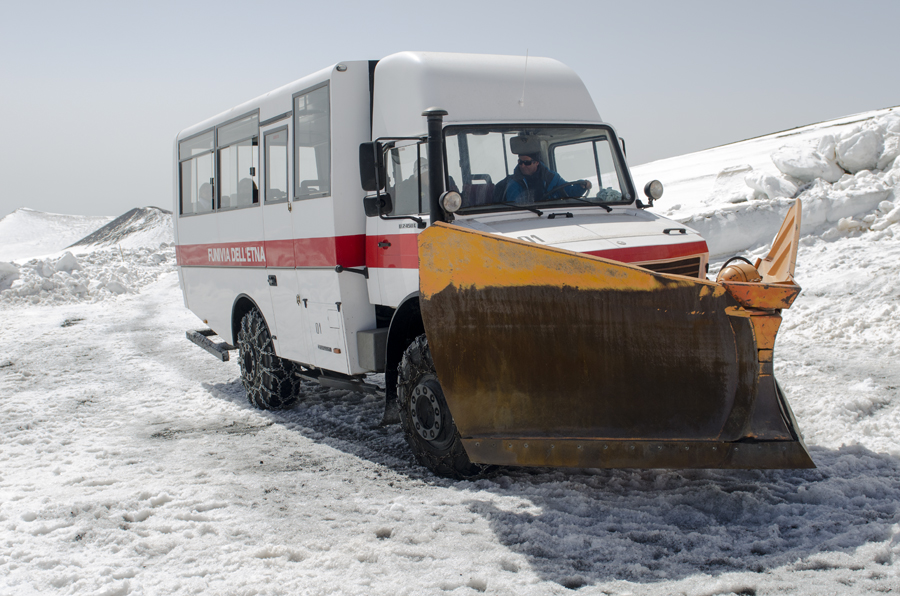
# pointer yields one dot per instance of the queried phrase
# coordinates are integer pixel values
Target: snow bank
(86, 277)
(848, 181)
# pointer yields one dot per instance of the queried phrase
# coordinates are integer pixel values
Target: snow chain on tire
(269, 380)
(425, 417)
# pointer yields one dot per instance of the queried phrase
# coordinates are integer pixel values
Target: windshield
(498, 168)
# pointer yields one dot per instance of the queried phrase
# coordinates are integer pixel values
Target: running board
(201, 337)
(349, 384)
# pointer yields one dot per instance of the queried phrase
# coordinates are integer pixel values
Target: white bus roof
(475, 88)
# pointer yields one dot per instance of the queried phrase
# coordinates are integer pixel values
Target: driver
(531, 180)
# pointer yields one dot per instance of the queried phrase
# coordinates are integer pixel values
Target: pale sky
(93, 93)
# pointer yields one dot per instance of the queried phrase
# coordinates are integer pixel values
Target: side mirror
(371, 166)
(380, 205)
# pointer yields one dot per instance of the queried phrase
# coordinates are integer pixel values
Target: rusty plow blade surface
(548, 357)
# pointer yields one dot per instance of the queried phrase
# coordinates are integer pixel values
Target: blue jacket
(532, 189)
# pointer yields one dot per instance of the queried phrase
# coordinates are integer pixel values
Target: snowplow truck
(461, 234)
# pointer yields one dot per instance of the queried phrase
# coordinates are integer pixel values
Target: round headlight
(653, 190)
(451, 201)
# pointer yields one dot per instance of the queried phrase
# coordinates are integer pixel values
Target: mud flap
(553, 358)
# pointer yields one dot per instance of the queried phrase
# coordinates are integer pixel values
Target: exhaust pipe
(435, 118)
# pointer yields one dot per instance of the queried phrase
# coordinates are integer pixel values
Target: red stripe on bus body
(396, 251)
(393, 251)
(347, 251)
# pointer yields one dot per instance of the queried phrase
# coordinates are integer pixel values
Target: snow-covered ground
(131, 462)
(29, 233)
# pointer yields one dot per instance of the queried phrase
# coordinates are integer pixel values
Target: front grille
(689, 267)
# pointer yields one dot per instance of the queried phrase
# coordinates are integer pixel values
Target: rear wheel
(425, 417)
(269, 380)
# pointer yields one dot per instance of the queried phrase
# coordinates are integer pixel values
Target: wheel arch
(241, 306)
(406, 325)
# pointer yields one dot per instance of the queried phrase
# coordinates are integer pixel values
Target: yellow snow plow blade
(549, 357)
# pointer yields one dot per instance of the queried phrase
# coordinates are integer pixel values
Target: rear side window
(197, 174)
(312, 144)
(238, 162)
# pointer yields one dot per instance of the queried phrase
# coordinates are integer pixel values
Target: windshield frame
(621, 166)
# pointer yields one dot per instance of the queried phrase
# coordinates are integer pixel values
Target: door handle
(273, 281)
(384, 244)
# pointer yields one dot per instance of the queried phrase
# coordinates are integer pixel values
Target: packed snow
(132, 463)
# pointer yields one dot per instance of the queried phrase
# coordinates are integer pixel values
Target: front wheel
(269, 380)
(425, 417)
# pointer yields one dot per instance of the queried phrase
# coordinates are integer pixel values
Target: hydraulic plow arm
(553, 358)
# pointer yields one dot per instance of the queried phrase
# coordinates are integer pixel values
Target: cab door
(289, 325)
(392, 254)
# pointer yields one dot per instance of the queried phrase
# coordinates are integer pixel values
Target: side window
(196, 173)
(276, 165)
(312, 144)
(238, 154)
(405, 184)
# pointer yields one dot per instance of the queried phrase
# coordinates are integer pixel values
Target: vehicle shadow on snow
(582, 527)
(661, 525)
(345, 420)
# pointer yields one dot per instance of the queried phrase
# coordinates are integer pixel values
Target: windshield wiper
(607, 207)
(525, 207)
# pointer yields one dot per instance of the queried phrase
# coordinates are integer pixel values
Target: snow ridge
(139, 227)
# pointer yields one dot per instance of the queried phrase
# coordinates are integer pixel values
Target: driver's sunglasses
(522, 162)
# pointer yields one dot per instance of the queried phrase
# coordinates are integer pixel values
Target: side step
(201, 337)
(343, 382)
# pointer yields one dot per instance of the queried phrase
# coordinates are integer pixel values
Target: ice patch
(773, 187)
(67, 263)
(890, 152)
(203, 508)
(729, 186)
(860, 151)
(137, 516)
(160, 499)
(806, 164)
(9, 273)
